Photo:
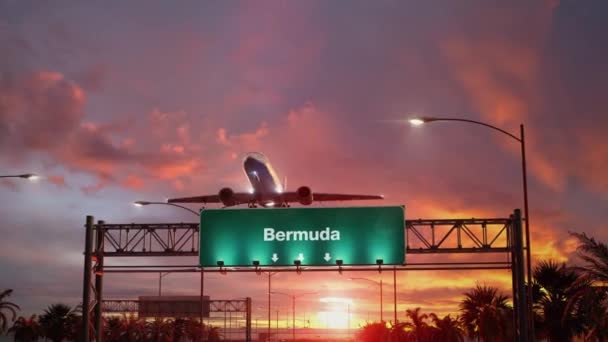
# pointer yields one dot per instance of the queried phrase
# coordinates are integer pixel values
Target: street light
(142, 203)
(161, 275)
(379, 283)
(293, 308)
(419, 121)
(29, 176)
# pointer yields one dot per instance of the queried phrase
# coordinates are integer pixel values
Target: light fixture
(220, 263)
(297, 262)
(339, 262)
(29, 176)
(379, 261)
(256, 263)
(416, 121)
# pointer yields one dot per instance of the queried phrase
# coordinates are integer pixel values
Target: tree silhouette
(6, 306)
(26, 329)
(58, 322)
(555, 286)
(486, 314)
(374, 332)
(591, 298)
(447, 329)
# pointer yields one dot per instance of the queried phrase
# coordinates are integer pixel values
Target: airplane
(267, 191)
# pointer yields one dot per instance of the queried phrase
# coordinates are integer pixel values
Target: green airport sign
(314, 236)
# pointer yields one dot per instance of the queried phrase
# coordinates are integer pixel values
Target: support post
(293, 317)
(395, 293)
(522, 295)
(530, 313)
(202, 302)
(269, 275)
(99, 249)
(86, 283)
(512, 244)
(248, 320)
(381, 308)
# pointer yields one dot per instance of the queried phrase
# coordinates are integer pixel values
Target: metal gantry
(497, 236)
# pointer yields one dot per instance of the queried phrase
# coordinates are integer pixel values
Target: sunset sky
(120, 101)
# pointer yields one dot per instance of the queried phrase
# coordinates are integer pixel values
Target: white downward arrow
(301, 257)
(327, 257)
(274, 257)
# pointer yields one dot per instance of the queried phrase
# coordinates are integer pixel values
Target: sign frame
(358, 236)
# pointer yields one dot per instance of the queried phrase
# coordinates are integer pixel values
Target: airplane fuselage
(264, 181)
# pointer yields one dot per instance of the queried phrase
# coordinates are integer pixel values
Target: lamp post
(161, 275)
(29, 176)
(293, 308)
(418, 121)
(270, 274)
(143, 203)
(379, 283)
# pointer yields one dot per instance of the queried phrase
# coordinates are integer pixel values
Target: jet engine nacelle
(227, 197)
(305, 195)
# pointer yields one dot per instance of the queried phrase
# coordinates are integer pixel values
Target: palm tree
(159, 330)
(374, 332)
(213, 334)
(193, 329)
(555, 286)
(420, 330)
(595, 254)
(113, 329)
(134, 330)
(591, 300)
(447, 329)
(58, 322)
(486, 315)
(26, 329)
(6, 306)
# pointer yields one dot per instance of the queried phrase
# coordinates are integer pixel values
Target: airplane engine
(305, 195)
(227, 197)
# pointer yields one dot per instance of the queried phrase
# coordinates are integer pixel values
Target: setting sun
(336, 313)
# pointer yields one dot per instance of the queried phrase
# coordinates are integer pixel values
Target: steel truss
(215, 305)
(424, 236)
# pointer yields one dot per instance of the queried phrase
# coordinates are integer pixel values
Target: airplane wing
(290, 197)
(321, 197)
(239, 197)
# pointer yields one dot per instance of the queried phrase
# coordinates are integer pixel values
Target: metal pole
(521, 289)
(277, 324)
(381, 309)
(99, 281)
(512, 244)
(160, 283)
(225, 331)
(86, 283)
(248, 321)
(202, 302)
(348, 319)
(395, 292)
(293, 319)
(527, 222)
(269, 275)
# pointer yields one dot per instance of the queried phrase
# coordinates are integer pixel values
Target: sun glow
(336, 313)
